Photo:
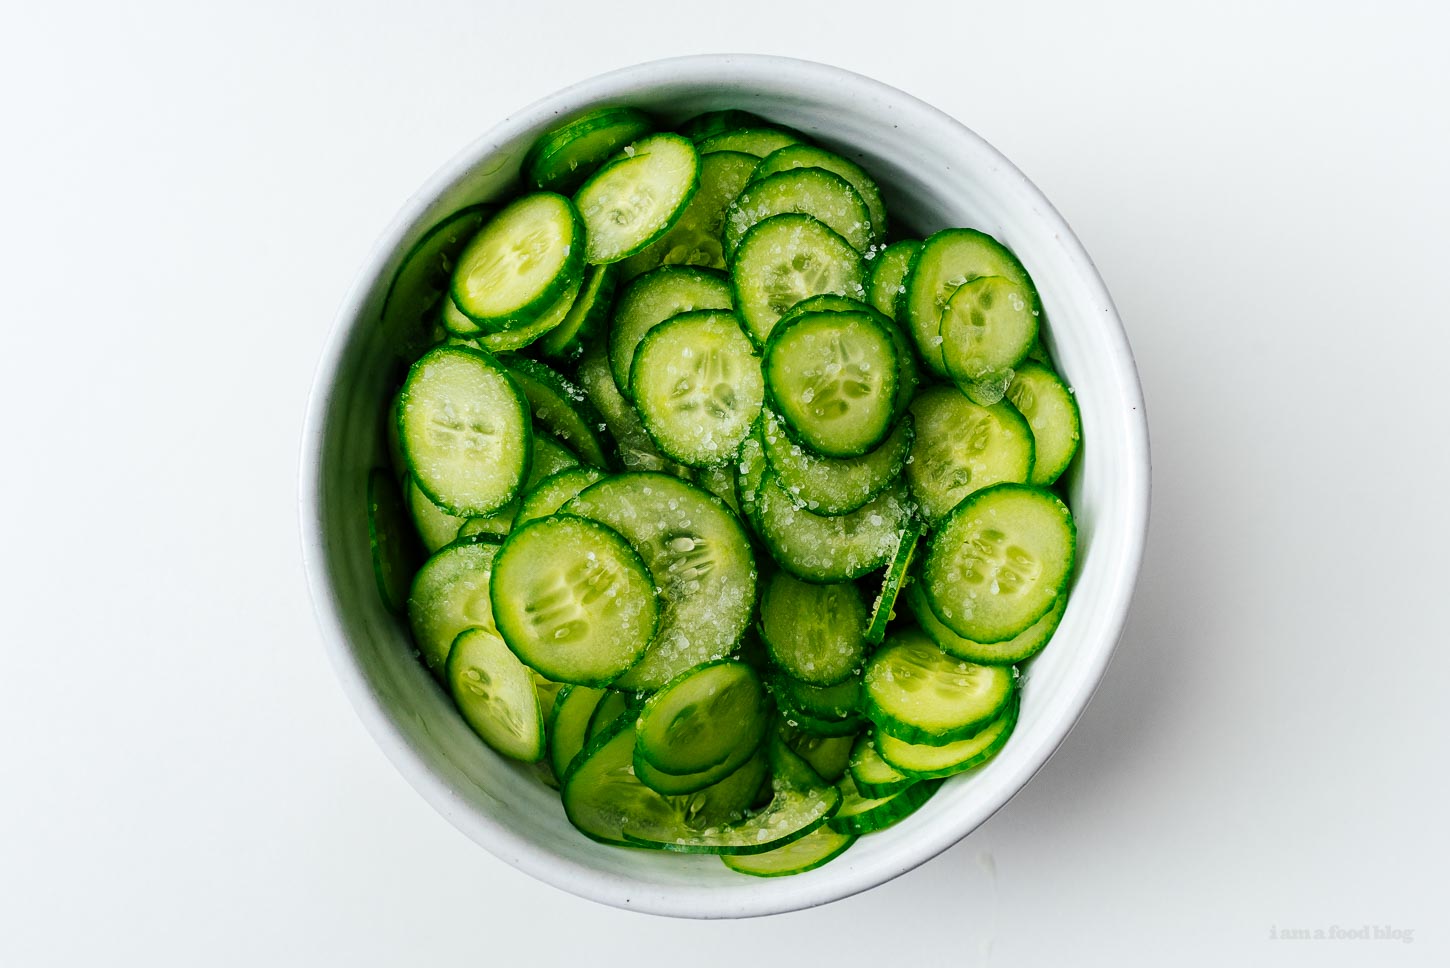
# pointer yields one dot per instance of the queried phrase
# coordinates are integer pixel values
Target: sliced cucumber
(560, 407)
(961, 447)
(520, 263)
(554, 491)
(720, 481)
(711, 123)
(695, 239)
(907, 369)
(653, 298)
(833, 378)
(550, 457)
(435, 526)
(508, 340)
(699, 557)
(636, 451)
(923, 761)
(863, 815)
(711, 716)
(884, 609)
(561, 160)
(828, 485)
(848, 726)
(806, 191)
(495, 694)
(750, 475)
(999, 562)
(987, 328)
(395, 551)
(815, 849)
(918, 693)
(573, 599)
(948, 260)
(613, 706)
(1017, 649)
(785, 259)
(841, 547)
(451, 593)
(548, 691)
(602, 796)
(636, 197)
(422, 277)
(835, 703)
(1050, 409)
(465, 430)
(888, 275)
(759, 141)
(588, 314)
(806, 156)
(816, 633)
(698, 387)
(829, 756)
(874, 777)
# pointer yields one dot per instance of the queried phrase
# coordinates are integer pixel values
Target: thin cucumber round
(554, 491)
(829, 756)
(874, 777)
(636, 197)
(520, 263)
(750, 476)
(816, 633)
(838, 702)
(888, 275)
(465, 430)
(784, 260)
(602, 796)
(434, 526)
(1050, 409)
(508, 340)
(1017, 649)
(653, 298)
(697, 385)
(807, 156)
(848, 726)
(565, 156)
(815, 849)
(837, 548)
(694, 240)
(422, 277)
(636, 451)
(713, 716)
(863, 815)
(699, 557)
(720, 481)
(757, 141)
(450, 593)
(987, 328)
(833, 378)
(550, 457)
(828, 485)
(947, 260)
(711, 123)
(573, 599)
(395, 550)
(496, 695)
(560, 407)
(806, 191)
(569, 725)
(962, 447)
(588, 314)
(548, 691)
(918, 693)
(884, 609)
(999, 562)
(614, 705)
(922, 761)
(908, 374)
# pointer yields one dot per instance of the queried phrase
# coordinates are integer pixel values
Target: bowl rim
(545, 865)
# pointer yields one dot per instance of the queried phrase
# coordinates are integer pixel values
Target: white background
(187, 193)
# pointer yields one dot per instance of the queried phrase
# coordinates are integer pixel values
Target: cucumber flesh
(961, 447)
(815, 849)
(815, 633)
(806, 191)
(918, 693)
(987, 328)
(561, 159)
(520, 263)
(756, 141)
(395, 550)
(888, 275)
(829, 485)
(712, 716)
(649, 301)
(884, 609)
(636, 197)
(1019, 648)
(569, 725)
(863, 815)
(807, 156)
(786, 259)
(450, 593)
(694, 240)
(874, 777)
(422, 278)
(924, 761)
(1050, 409)
(554, 491)
(496, 695)
(843, 547)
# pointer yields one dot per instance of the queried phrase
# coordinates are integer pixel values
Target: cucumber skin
(1013, 709)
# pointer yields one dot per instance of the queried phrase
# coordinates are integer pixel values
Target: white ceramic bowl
(935, 173)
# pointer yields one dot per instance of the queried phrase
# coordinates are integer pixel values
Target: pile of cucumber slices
(726, 507)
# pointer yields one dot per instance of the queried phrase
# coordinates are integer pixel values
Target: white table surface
(188, 192)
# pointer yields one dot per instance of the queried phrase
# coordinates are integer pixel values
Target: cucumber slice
(680, 785)
(495, 694)
(695, 239)
(884, 609)
(828, 485)
(451, 593)
(1017, 649)
(550, 457)
(697, 384)
(637, 196)
(874, 777)
(395, 550)
(785, 259)
(521, 262)
(653, 298)
(806, 156)
(946, 261)
(815, 633)
(806, 191)
(573, 600)
(699, 557)
(548, 691)
(729, 800)
(999, 562)
(833, 378)
(961, 447)
(888, 275)
(1050, 409)
(588, 314)
(815, 849)
(508, 340)
(554, 491)
(918, 693)
(826, 728)
(720, 481)
(435, 526)
(838, 548)
(987, 328)
(561, 160)
(422, 277)
(907, 369)
(757, 141)
(829, 756)
(636, 451)
(613, 706)
(835, 703)
(465, 430)
(560, 407)
(715, 714)
(922, 761)
(455, 322)
(863, 815)
(711, 123)
(750, 475)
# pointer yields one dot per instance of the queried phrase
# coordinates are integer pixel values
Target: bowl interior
(935, 174)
